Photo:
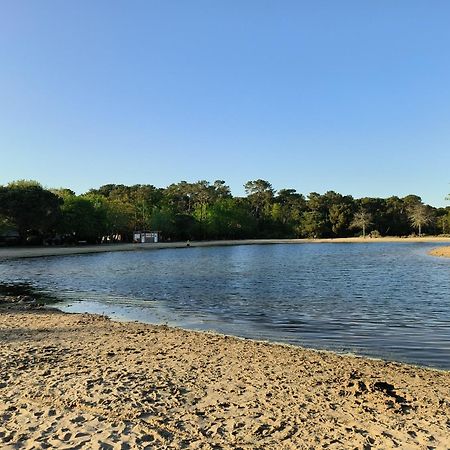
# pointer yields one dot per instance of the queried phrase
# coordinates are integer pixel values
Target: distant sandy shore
(30, 252)
(441, 251)
(83, 381)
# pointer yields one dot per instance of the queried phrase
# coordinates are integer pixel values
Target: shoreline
(33, 252)
(30, 303)
(84, 380)
(343, 354)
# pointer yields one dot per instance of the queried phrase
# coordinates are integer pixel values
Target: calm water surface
(388, 300)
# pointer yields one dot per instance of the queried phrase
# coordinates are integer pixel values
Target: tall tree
(228, 218)
(33, 210)
(315, 221)
(340, 212)
(260, 194)
(292, 205)
(361, 220)
(376, 207)
(420, 215)
(443, 220)
(395, 217)
(313, 224)
(163, 220)
(80, 220)
(139, 200)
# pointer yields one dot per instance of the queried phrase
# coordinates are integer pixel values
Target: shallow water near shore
(387, 300)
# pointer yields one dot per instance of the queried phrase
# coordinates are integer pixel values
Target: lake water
(388, 300)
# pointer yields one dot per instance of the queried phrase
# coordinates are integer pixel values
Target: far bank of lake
(32, 252)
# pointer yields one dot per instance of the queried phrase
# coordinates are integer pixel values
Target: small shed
(145, 237)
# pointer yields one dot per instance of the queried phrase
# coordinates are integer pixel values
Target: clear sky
(351, 96)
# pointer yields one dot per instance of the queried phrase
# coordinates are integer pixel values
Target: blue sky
(351, 96)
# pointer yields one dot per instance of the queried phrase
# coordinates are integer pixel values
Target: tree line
(204, 210)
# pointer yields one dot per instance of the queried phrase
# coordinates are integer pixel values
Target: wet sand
(441, 251)
(31, 252)
(83, 381)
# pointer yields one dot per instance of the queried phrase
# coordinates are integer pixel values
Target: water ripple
(387, 300)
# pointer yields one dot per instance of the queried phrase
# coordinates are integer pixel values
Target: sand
(441, 251)
(31, 252)
(84, 382)
(72, 381)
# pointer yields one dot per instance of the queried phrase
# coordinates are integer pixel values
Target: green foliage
(24, 184)
(81, 219)
(260, 197)
(163, 220)
(289, 208)
(5, 224)
(31, 209)
(340, 212)
(313, 224)
(230, 219)
(204, 210)
(395, 217)
(315, 220)
(442, 222)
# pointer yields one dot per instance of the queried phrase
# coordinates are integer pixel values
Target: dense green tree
(203, 194)
(31, 209)
(376, 207)
(313, 224)
(442, 222)
(291, 206)
(179, 197)
(186, 227)
(119, 218)
(221, 190)
(260, 195)
(230, 219)
(163, 220)
(411, 201)
(80, 220)
(193, 200)
(340, 212)
(137, 201)
(315, 220)
(5, 224)
(204, 210)
(395, 217)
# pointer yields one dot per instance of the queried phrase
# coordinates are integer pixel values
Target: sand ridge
(83, 381)
(441, 251)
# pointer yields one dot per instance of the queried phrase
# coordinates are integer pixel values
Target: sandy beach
(441, 251)
(83, 381)
(31, 252)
